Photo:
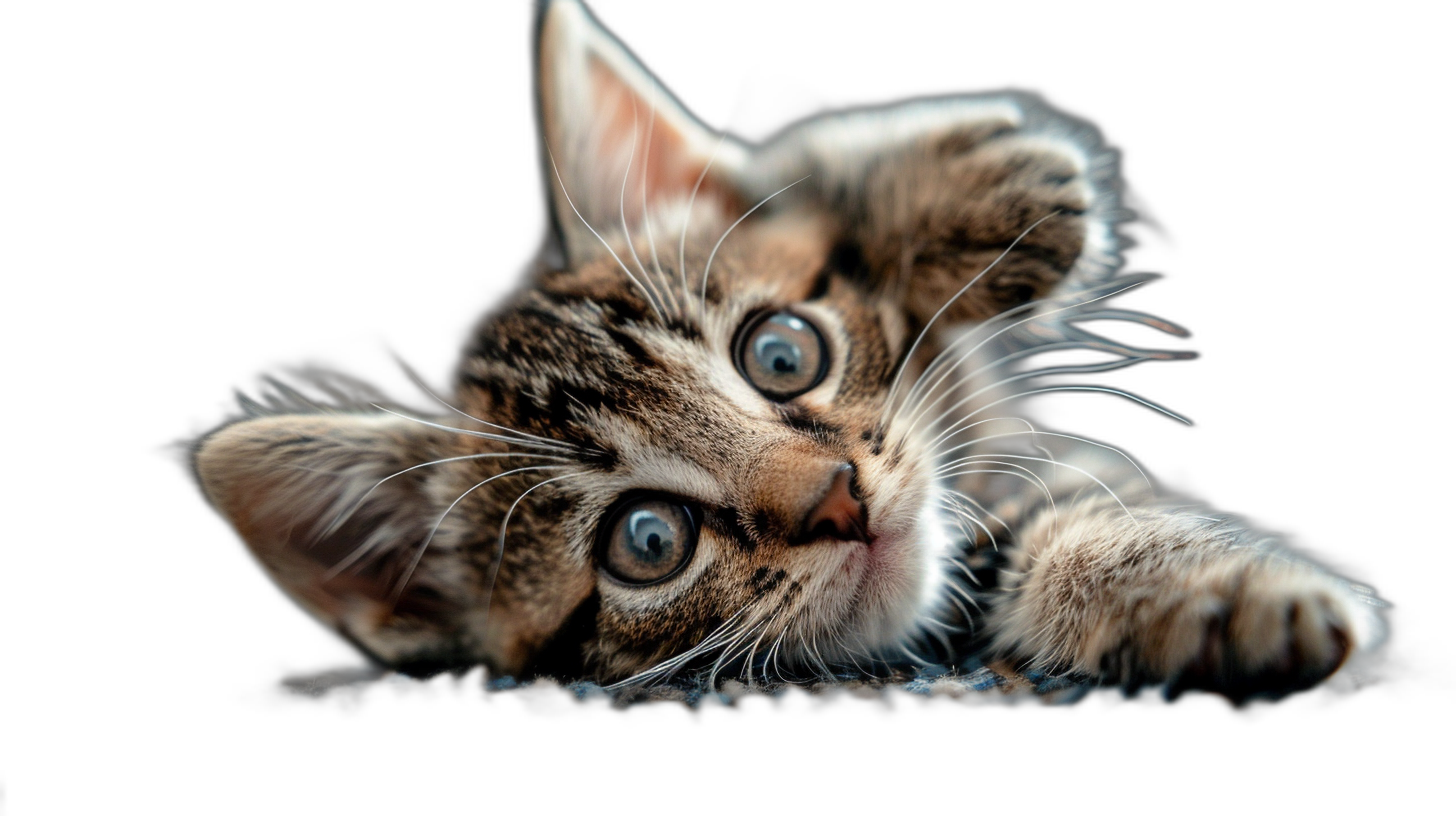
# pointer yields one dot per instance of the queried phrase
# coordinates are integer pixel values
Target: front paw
(1271, 631)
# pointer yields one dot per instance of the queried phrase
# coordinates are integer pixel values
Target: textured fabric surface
(968, 678)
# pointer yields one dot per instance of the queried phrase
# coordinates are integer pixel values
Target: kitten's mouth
(848, 528)
(858, 533)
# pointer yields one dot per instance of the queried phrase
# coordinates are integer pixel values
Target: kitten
(750, 418)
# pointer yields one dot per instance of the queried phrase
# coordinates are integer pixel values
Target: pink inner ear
(672, 166)
(600, 110)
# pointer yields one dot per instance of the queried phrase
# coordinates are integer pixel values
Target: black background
(339, 188)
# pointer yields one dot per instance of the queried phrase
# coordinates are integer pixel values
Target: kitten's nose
(838, 514)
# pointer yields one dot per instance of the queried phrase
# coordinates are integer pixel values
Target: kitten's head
(688, 440)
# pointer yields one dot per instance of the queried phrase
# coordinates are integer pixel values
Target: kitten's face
(745, 431)
(686, 442)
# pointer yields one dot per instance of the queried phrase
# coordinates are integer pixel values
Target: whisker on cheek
(809, 478)
(910, 355)
(424, 545)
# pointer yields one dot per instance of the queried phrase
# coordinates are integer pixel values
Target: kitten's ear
(305, 492)
(617, 142)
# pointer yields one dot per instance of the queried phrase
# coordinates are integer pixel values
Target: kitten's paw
(1273, 632)
(1295, 644)
(979, 201)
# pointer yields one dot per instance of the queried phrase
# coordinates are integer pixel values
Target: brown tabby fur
(469, 537)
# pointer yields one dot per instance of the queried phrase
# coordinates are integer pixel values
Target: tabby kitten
(749, 418)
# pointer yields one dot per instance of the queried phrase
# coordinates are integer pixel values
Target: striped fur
(470, 535)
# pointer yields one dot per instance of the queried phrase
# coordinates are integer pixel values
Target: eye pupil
(777, 353)
(782, 355)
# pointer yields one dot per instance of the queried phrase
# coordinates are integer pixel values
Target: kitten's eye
(648, 541)
(781, 354)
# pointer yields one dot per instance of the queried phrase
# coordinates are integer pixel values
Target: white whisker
(964, 514)
(708, 267)
(1141, 318)
(1135, 355)
(914, 658)
(753, 649)
(815, 657)
(1049, 371)
(677, 305)
(847, 651)
(1036, 433)
(1031, 477)
(359, 502)
(607, 246)
(772, 658)
(500, 550)
(419, 383)
(909, 355)
(682, 265)
(547, 444)
(665, 668)
(957, 496)
(653, 295)
(940, 361)
(420, 552)
(1100, 483)
(951, 368)
(731, 649)
(1058, 388)
(970, 576)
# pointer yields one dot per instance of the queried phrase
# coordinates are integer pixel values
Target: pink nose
(838, 514)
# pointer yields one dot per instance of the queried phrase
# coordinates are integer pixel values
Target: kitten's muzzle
(838, 514)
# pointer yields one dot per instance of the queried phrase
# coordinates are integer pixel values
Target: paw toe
(1271, 645)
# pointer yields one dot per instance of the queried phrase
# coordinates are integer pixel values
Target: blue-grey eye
(648, 540)
(781, 354)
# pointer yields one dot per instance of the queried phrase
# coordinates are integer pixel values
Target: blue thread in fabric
(983, 679)
(587, 691)
(1051, 684)
(506, 683)
(919, 685)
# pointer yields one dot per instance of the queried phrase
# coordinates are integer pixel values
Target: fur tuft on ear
(617, 143)
(326, 503)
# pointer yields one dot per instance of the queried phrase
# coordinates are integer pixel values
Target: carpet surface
(973, 682)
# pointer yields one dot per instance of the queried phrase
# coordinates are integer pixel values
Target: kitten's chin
(901, 580)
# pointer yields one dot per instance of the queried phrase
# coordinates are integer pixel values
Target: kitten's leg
(1158, 594)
